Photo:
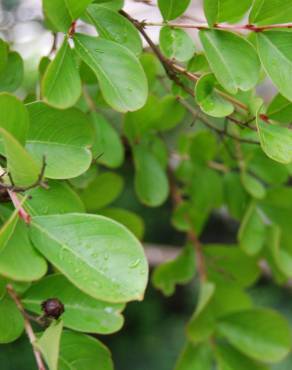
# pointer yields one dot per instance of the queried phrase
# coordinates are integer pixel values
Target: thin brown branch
(20, 189)
(28, 328)
(199, 26)
(206, 122)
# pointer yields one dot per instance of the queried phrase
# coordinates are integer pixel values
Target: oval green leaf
(232, 58)
(63, 137)
(121, 77)
(61, 84)
(98, 255)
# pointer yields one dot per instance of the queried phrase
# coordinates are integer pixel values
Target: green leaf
(49, 344)
(261, 334)
(178, 271)
(102, 191)
(108, 146)
(61, 84)
(12, 75)
(149, 117)
(228, 358)
(14, 116)
(271, 12)
(3, 55)
(86, 352)
(20, 164)
(112, 26)
(279, 244)
(232, 58)
(235, 265)
(82, 312)
(11, 321)
(61, 13)
(275, 54)
(175, 43)
(277, 207)
(280, 109)
(203, 147)
(171, 9)
(195, 357)
(209, 100)
(63, 137)
(219, 11)
(121, 77)
(236, 197)
(253, 186)
(173, 113)
(151, 183)
(59, 198)
(19, 260)
(266, 169)
(131, 220)
(98, 255)
(7, 229)
(252, 232)
(201, 325)
(276, 141)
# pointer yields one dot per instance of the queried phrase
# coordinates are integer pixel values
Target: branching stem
(28, 328)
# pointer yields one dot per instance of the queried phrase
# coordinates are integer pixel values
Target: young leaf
(98, 255)
(61, 13)
(276, 141)
(82, 312)
(107, 146)
(218, 11)
(20, 164)
(61, 84)
(112, 26)
(232, 58)
(12, 76)
(171, 9)
(129, 219)
(275, 54)
(57, 135)
(209, 100)
(178, 271)
(151, 183)
(14, 117)
(121, 77)
(252, 232)
(49, 344)
(195, 357)
(102, 191)
(271, 12)
(11, 320)
(175, 43)
(87, 352)
(261, 334)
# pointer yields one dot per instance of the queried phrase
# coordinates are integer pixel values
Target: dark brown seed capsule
(53, 307)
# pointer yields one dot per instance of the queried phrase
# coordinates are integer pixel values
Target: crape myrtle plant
(186, 118)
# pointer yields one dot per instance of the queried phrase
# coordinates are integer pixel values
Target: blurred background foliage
(153, 334)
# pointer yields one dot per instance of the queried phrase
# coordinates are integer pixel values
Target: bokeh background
(153, 333)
